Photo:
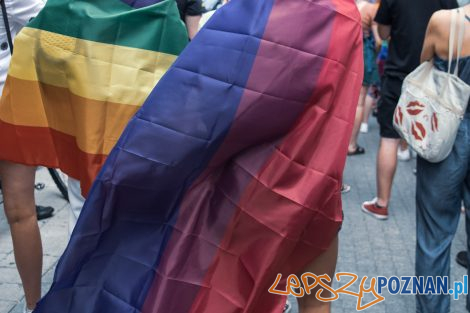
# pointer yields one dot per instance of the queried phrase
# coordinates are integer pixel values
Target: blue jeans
(440, 189)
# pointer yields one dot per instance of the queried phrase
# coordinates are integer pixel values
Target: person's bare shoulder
(438, 31)
(439, 23)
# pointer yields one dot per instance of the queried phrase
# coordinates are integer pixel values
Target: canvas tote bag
(433, 103)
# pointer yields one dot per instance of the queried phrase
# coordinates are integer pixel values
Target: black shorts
(390, 93)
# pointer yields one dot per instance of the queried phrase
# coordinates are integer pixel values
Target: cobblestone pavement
(368, 247)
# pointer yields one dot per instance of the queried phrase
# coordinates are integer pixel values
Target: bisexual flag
(229, 174)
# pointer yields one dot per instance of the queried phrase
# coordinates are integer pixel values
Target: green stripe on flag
(116, 23)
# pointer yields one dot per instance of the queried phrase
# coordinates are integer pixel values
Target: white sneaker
(287, 307)
(404, 155)
(345, 188)
(364, 128)
(26, 310)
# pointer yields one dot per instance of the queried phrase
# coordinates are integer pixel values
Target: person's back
(441, 187)
(405, 23)
(438, 34)
(408, 21)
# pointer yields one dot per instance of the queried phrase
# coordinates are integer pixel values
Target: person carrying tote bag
(433, 102)
(441, 187)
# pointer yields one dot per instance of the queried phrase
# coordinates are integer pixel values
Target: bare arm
(192, 24)
(429, 48)
(384, 31)
(375, 32)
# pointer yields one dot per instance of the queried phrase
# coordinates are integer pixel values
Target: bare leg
(358, 119)
(368, 103)
(386, 167)
(18, 195)
(324, 264)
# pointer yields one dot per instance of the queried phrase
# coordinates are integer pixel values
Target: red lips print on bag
(434, 122)
(417, 115)
(414, 108)
(418, 131)
(399, 117)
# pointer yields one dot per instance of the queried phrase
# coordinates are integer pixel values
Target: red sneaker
(371, 207)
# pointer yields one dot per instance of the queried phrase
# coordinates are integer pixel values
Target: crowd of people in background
(416, 32)
(397, 36)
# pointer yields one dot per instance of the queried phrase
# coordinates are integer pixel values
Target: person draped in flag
(23, 223)
(79, 72)
(229, 174)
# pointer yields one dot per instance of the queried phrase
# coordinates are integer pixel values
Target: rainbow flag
(229, 174)
(80, 71)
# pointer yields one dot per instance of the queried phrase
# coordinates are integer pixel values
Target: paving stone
(48, 277)
(10, 292)
(6, 305)
(10, 275)
(18, 308)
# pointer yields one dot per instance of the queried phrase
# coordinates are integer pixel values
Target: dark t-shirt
(189, 7)
(408, 20)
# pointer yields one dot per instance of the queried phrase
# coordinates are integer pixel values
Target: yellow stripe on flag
(86, 68)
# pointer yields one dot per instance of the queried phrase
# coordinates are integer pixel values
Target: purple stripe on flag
(276, 93)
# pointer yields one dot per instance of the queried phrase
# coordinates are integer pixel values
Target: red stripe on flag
(41, 146)
(291, 211)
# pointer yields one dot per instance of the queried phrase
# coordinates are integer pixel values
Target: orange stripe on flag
(51, 148)
(96, 125)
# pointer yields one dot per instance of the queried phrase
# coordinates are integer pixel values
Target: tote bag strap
(457, 18)
(461, 20)
(453, 22)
